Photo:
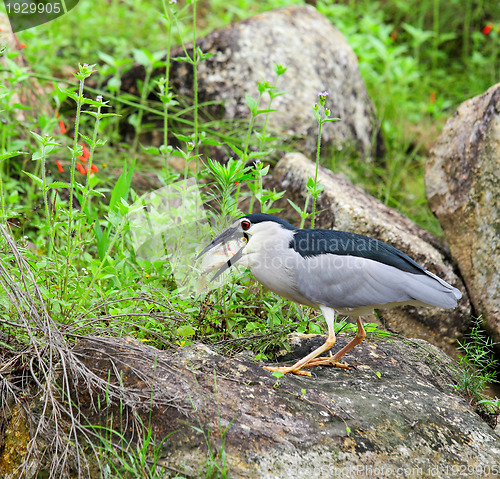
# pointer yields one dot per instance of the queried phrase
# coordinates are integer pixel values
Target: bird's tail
(434, 291)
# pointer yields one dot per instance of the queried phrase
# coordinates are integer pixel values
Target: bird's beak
(224, 238)
(224, 251)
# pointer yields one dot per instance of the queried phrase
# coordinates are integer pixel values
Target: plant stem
(304, 216)
(144, 95)
(266, 119)
(250, 128)
(195, 92)
(2, 160)
(167, 13)
(2, 200)
(104, 259)
(79, 104)
(317, 166)
(46, 203)
(89, 168)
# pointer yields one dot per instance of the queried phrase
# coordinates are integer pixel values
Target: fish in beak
(223, 251)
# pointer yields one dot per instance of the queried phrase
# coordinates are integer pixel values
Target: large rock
(395, 411)
(318, 58)
(343, 206)
(463, 188)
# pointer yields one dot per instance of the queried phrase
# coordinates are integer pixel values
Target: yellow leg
(329, 315)
(295, 369)
(334, 360)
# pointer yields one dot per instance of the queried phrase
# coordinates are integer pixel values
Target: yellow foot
(326, 362)
(289, 369)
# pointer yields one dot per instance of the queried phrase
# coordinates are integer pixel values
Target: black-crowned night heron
(335, 271)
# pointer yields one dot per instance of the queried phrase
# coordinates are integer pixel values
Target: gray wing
(355, 285)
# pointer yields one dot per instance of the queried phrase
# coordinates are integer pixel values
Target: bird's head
(232, 244)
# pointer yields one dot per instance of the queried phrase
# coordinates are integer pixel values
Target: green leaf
(201, 56)
(143, 57)
(264, 171)
(235, 149)
(11, 154)
(314, 328)
(85, 138)
(257, 154)
(316, 114)
(38, 138)
(332, 119)
(13, 198)
(122, 186)
(270, 110)
(152, 150)
(114, 83)
(106, 58)
(186, 331)
(210, 141)
(59, 184)
(252, 103)
(295, 207)
(74, 96)
(183, 138)
(35, 178)
(274, 94)
(186, 59)
(107, 115)
(96, 193)
(79, 186)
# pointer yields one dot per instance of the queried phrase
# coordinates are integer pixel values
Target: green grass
(477, 364)
(419, 60)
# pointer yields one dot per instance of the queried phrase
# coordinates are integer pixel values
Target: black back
(309, 242)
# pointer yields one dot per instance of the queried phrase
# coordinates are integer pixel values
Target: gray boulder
(396, 410)
(318, 58)
(462, 179)
(345, 207)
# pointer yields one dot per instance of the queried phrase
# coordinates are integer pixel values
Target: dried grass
(40, 378)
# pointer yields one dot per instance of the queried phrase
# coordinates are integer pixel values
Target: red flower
(62, 127)
(93, 168)
(432, 97)
(22, 45)
(80, 168)
(86, 154)
(487, 29)
(59, 166)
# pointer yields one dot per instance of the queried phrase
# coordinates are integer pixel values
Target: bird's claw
(328, 361)
(289, 369)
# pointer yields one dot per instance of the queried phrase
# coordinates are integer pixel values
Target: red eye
(245, 224)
